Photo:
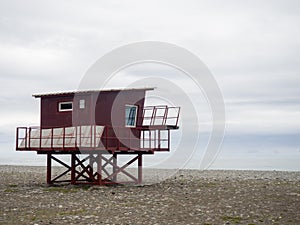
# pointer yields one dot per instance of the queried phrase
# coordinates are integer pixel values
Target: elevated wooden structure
(94, 128)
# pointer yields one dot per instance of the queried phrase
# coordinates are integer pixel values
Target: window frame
(64, 110)
(135, 116)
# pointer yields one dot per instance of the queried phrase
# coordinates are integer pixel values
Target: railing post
(143, 115)
(17, 138)
(153, 116)
(64, 136)
(79, 136)
(91, 143)
(29, 137)
(169, 140)
(94, 135)
(51, 138)
(143, 137)
(26, 137)
(177, 116)
(106, 133)
(150, 140)
(165, 116)
(154, 138)
(40, 144)
(75, 141)
(159, 142)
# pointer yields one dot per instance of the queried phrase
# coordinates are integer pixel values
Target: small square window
(130, 115)
(65, 106)
(81, 104)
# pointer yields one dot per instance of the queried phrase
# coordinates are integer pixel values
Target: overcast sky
(251, 48)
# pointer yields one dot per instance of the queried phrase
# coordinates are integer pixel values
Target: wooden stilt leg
(48, 168)
(115, 162)
(99, 168)
(73, 169)
(140, 168)
(91, 169)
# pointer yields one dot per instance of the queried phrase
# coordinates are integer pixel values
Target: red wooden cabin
(99, 125)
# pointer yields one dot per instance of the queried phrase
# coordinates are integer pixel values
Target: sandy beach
(186, 197)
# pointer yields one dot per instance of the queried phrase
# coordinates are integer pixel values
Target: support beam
(122, 169)
(82, 171)
(115, 163)
(140, 168)
(73, 168)
(49, 168)
(99, 168)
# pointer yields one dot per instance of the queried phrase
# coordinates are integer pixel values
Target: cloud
(251, 47)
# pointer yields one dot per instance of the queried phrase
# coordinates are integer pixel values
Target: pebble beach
(166, 197)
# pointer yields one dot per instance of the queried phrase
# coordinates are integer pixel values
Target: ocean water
(242, 162)
(273, 156)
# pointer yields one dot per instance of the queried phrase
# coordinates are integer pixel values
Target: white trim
(64, 110)
(135, 117)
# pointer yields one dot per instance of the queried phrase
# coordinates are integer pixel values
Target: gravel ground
(187, 197)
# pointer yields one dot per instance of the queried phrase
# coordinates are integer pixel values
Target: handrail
(153, 118)
(112, 138)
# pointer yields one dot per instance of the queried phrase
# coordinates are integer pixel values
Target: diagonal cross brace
(69, 168)
(121, 169)
(86, 169)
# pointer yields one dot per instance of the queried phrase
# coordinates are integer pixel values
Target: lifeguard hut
(94, 127)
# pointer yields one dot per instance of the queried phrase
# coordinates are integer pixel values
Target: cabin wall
(109, 109)
(81, 117)
(50, 116)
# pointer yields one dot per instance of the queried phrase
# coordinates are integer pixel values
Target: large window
(130, 115)
(65, 106)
